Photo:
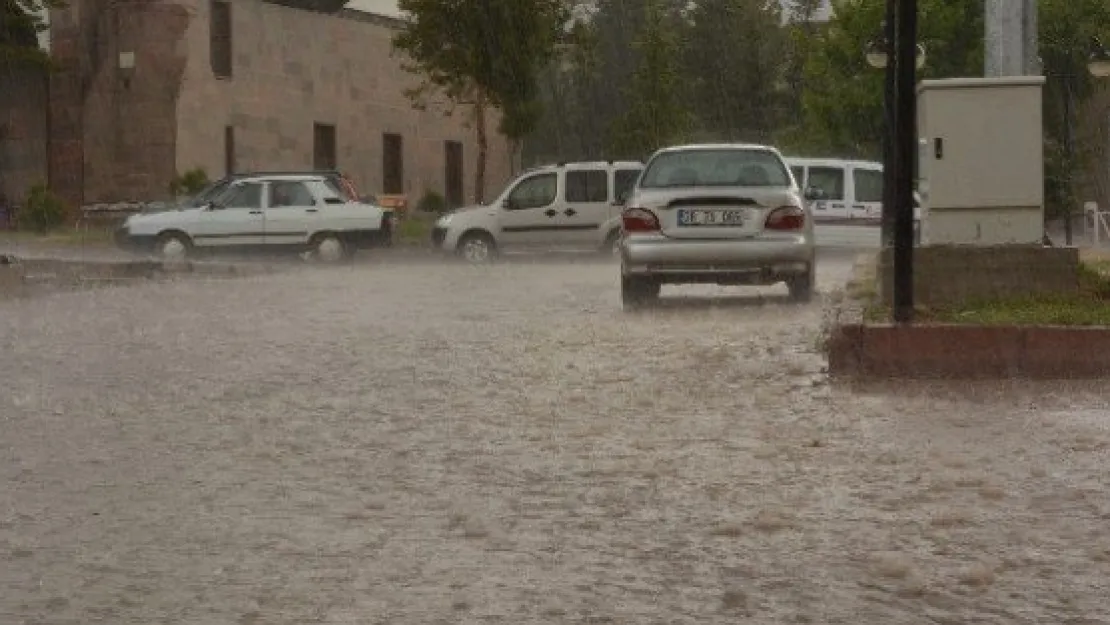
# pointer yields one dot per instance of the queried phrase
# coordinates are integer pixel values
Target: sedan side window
(246, 195)
(535, 192)
(290, 193)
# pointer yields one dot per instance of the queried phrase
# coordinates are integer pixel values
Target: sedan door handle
(570, 212)
(311, 210)
(551, 212)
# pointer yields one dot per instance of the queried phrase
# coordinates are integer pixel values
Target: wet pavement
(434, 443)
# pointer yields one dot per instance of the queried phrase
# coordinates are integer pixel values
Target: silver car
(728, 214)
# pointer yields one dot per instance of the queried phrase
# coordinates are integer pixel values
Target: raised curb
(970, 352)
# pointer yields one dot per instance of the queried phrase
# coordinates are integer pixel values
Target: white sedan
(291, 212)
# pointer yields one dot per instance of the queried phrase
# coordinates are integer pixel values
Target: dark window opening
(453, 174)
(323, 147)
(393, 164)
(623, 181)
(229, 150)
(591, 187)
(220, 38)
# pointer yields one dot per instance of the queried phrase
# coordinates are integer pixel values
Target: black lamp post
(897, 51)
(905, 149)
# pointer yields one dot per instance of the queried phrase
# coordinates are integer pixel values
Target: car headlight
(444, 221)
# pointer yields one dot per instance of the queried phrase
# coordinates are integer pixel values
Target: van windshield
(716, 168)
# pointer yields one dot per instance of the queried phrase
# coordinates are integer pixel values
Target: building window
(323, 147)
(393, 164)
(453, 173)
(229, 149)
(220, 42)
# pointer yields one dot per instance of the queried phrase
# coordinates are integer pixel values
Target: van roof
(800, 160)
(588, 165)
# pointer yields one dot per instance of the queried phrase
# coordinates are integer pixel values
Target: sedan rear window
(716, 168)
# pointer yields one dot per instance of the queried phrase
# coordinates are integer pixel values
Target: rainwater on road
(434, 443)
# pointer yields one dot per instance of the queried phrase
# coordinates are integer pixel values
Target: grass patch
(1089, 307)
(62, 237)
(416, 228)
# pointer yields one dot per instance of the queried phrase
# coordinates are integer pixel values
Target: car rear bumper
(757, 260)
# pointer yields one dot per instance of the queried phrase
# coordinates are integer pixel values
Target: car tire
(638, 292)
(477, 248)
(802, 287)
(329, 248)
(174, 247)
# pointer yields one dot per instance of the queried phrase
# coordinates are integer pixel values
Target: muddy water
(443, 444)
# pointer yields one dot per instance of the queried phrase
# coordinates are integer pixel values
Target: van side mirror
(814, 193)
(621, 199)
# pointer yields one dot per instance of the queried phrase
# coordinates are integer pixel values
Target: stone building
(148, 89)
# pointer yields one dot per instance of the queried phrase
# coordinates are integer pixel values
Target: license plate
(705, 217)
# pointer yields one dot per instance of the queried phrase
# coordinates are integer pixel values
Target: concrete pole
(1011, 38)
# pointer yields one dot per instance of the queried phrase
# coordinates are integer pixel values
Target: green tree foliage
(1067, 28)
(483, 53)
(20, 23)
(735, 51)
(843, 102)
(656, 110)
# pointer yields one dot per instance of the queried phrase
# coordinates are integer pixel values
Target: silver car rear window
(718, 167)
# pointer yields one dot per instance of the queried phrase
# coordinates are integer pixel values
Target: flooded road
(427, 443)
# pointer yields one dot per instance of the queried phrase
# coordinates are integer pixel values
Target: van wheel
(477, 248)
(638, 291)
(612, 245)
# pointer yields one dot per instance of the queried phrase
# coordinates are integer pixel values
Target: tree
(483, 53)
(734, 52)
(21, 21)
(1066, 30)
(843, 103)
(656, 112)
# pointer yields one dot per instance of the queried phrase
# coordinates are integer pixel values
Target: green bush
(432, 202)
(189, 183)
(42, 212)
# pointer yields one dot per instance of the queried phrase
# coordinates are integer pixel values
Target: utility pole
(1010, 38)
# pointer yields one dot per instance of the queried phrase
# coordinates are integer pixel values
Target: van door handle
(859, 207)
(311, 210)
(257, 212)
(570, 212)
(551, 212)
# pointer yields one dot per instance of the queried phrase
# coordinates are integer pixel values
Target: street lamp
(877, 56)
(878, 53)
(1099, 64)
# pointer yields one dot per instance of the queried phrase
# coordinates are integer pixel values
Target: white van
(569, 206)
(850, 190)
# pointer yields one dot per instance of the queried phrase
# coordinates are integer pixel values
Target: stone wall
(23, 122)
(294, 68)
(946, 275)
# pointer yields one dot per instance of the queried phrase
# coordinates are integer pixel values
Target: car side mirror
(814, 193)
(508, 204)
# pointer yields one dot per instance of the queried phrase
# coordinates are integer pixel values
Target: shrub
(189, 183)
(42, 212)
(432, 202)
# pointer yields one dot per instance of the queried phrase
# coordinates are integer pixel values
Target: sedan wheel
(330, 249)
(173, 248)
